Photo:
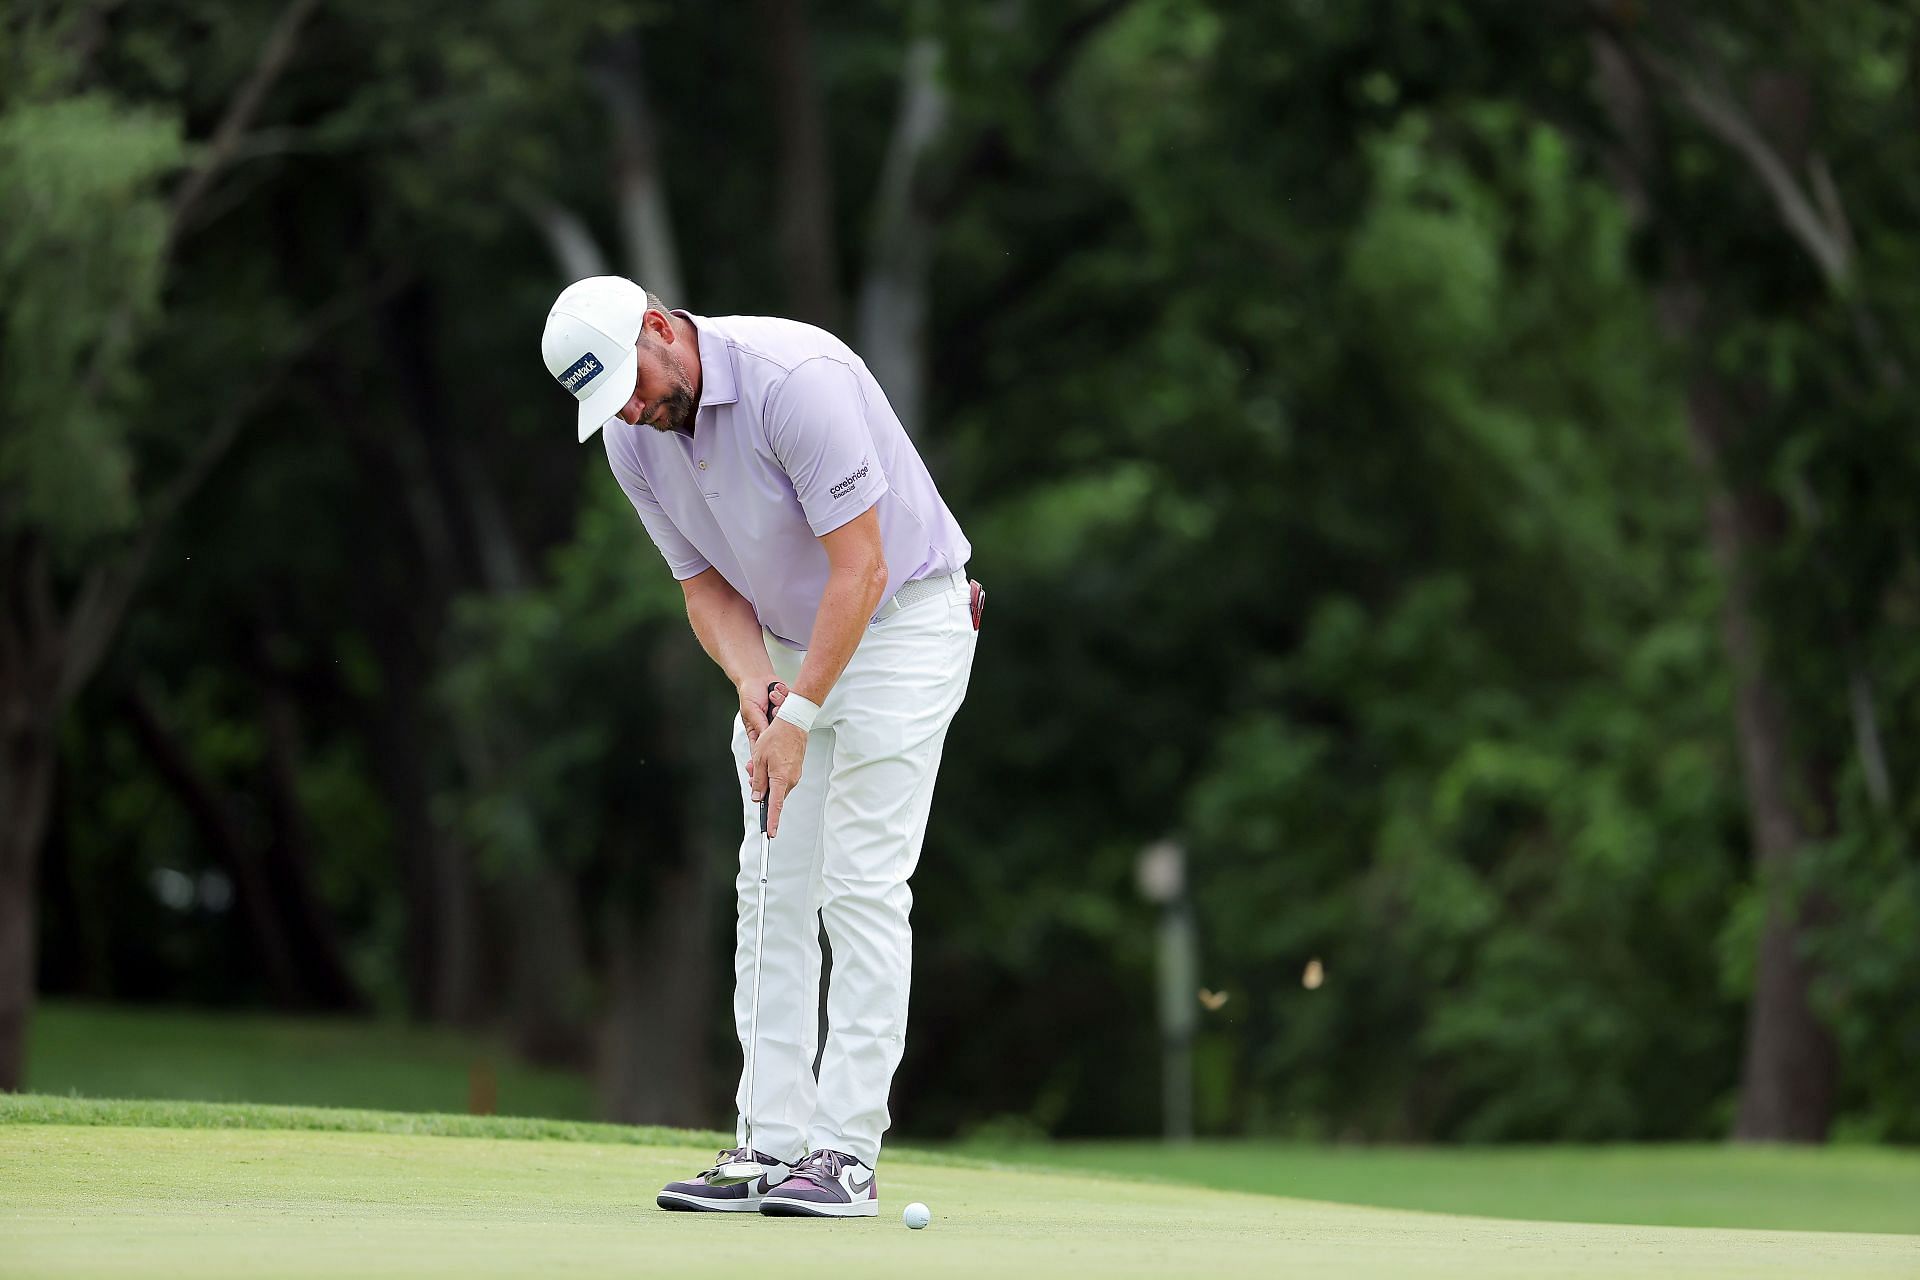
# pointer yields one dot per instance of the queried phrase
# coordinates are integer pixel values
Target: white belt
(920, 590)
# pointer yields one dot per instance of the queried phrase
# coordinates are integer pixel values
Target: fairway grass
(211, 1202)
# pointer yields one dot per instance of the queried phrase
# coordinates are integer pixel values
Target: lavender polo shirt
(793, 439)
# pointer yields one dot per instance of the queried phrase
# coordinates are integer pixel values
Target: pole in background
(1162, 877)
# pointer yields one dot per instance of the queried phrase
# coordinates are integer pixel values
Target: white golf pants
(849, 839)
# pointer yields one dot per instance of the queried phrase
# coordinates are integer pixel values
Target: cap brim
(609, 397)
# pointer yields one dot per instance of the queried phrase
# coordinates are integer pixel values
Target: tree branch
(575, 251)
(1714, 108)
(639, 186)
(108, 589)
(245, 105)
(1827, 237)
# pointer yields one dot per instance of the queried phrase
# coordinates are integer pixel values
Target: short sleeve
(817, 425)
(681, 556)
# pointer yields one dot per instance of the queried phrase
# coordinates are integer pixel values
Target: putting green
(138, 1202)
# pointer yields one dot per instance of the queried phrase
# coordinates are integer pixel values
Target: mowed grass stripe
(213, 1203)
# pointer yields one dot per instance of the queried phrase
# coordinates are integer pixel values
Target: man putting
(825, 576)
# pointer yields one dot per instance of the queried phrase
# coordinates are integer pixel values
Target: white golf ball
(916, 1215)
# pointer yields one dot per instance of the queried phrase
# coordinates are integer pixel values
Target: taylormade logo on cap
(584, 370)
(588, 346)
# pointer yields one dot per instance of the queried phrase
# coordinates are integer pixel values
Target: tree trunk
(1787, 1077)
(394, 742)
(654, 1064)
(804, 209)
(547, 974)
(221, 836)
(73, 963)
(401, 621)
(548, 991)
(26, 787)
(435, 879)
(29, 716)
(289, 859)
(893, 292)
(1790, 1064)
(1772, 134)
(456, 993)
(639, 178)
(16, 960)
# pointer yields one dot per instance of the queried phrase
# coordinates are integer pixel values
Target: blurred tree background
(1442, 463)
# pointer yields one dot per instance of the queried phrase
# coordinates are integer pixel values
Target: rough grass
(212, 1200)
(39, 1109)
(115, 1051)
(29, 1108)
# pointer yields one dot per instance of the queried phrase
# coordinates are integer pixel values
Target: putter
(734, 1172)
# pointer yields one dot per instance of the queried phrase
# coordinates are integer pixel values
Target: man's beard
(675, 410)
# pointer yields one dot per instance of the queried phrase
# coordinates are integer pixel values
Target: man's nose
(631, 412)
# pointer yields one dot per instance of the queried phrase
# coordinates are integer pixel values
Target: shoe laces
(737, 1153)
(823, 1165)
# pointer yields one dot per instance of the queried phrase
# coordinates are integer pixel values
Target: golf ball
(916, 1215)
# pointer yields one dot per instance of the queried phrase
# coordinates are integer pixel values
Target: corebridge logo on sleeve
(584, 370)
(844, 487)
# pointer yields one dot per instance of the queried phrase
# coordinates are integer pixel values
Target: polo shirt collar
(718, 382)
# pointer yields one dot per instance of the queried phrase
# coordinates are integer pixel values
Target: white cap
(589, 342)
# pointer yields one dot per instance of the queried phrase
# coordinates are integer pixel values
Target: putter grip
(767, 795)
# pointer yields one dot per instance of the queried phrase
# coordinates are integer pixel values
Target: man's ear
(659, 324)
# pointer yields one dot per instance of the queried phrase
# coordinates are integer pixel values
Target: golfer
(825, 576)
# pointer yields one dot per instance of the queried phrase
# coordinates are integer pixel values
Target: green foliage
(80, 275)
(550, 684)
(1869, 960)
(1821, 369)
(1471, 757)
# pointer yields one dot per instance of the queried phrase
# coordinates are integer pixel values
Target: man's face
(663, 396)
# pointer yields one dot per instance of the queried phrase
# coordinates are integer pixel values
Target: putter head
(731, 1173)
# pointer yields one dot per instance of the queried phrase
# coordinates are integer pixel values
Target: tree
(1663, 80)
(90, 245)
(1298, 372)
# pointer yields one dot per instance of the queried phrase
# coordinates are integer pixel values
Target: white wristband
(798, 712)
